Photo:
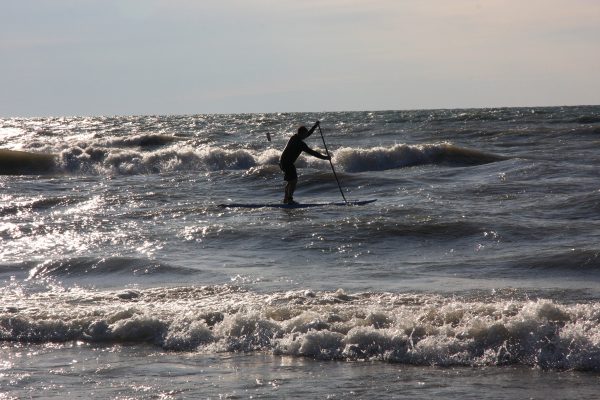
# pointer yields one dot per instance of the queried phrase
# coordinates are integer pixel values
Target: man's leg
(290, 187)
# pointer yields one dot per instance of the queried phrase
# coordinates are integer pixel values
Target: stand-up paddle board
(295, 205)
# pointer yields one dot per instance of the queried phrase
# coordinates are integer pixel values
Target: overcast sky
(107, 57)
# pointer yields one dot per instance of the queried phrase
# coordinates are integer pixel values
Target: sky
(125, 57)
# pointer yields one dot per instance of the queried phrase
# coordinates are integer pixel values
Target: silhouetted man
(292, 151)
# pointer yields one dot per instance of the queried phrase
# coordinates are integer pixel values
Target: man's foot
(289, 201)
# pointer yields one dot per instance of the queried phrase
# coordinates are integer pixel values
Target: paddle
(331, 163)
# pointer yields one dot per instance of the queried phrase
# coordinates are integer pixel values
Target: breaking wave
(413, 329)
(402, 155)
(147, 140)
(86, 266)
(171, 159)
(26, 163)
(129, 162)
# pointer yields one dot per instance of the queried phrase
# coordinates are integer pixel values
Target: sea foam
(129, 161)
(401, 328)
(403, 155)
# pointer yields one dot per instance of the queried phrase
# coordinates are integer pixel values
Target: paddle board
(296, 205)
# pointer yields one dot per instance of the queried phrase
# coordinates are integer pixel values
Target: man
(292, 151)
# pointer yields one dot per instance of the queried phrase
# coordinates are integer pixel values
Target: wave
(585, 130)
(26, 163)
(416, 329)
(207, 158)
(80, 266)
(402, 155)
(129, 162)
(145, 140)
(572, 260)
(587, 119)
(36, 204)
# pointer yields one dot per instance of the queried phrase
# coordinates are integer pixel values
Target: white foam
(404, 155)
(415, 329)
(97, 159)
(132, 161)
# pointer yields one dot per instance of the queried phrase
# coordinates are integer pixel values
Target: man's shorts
(289, 171)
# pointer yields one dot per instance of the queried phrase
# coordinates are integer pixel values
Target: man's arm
(311, 130)
(316, 154)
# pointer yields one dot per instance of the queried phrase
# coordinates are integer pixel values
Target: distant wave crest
(208, 158)
(26, 163)
(402, 155)
(148, 155)
(130, 161)
(86, 266)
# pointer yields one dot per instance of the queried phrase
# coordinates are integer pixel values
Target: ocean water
(475, 274)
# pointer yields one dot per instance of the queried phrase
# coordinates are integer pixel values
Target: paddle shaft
(332, 168)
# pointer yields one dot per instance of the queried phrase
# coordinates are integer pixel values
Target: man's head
(303, 132)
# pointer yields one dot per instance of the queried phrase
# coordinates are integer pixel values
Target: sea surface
(475, 274)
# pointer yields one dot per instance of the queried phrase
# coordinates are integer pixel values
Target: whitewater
(474, 274)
